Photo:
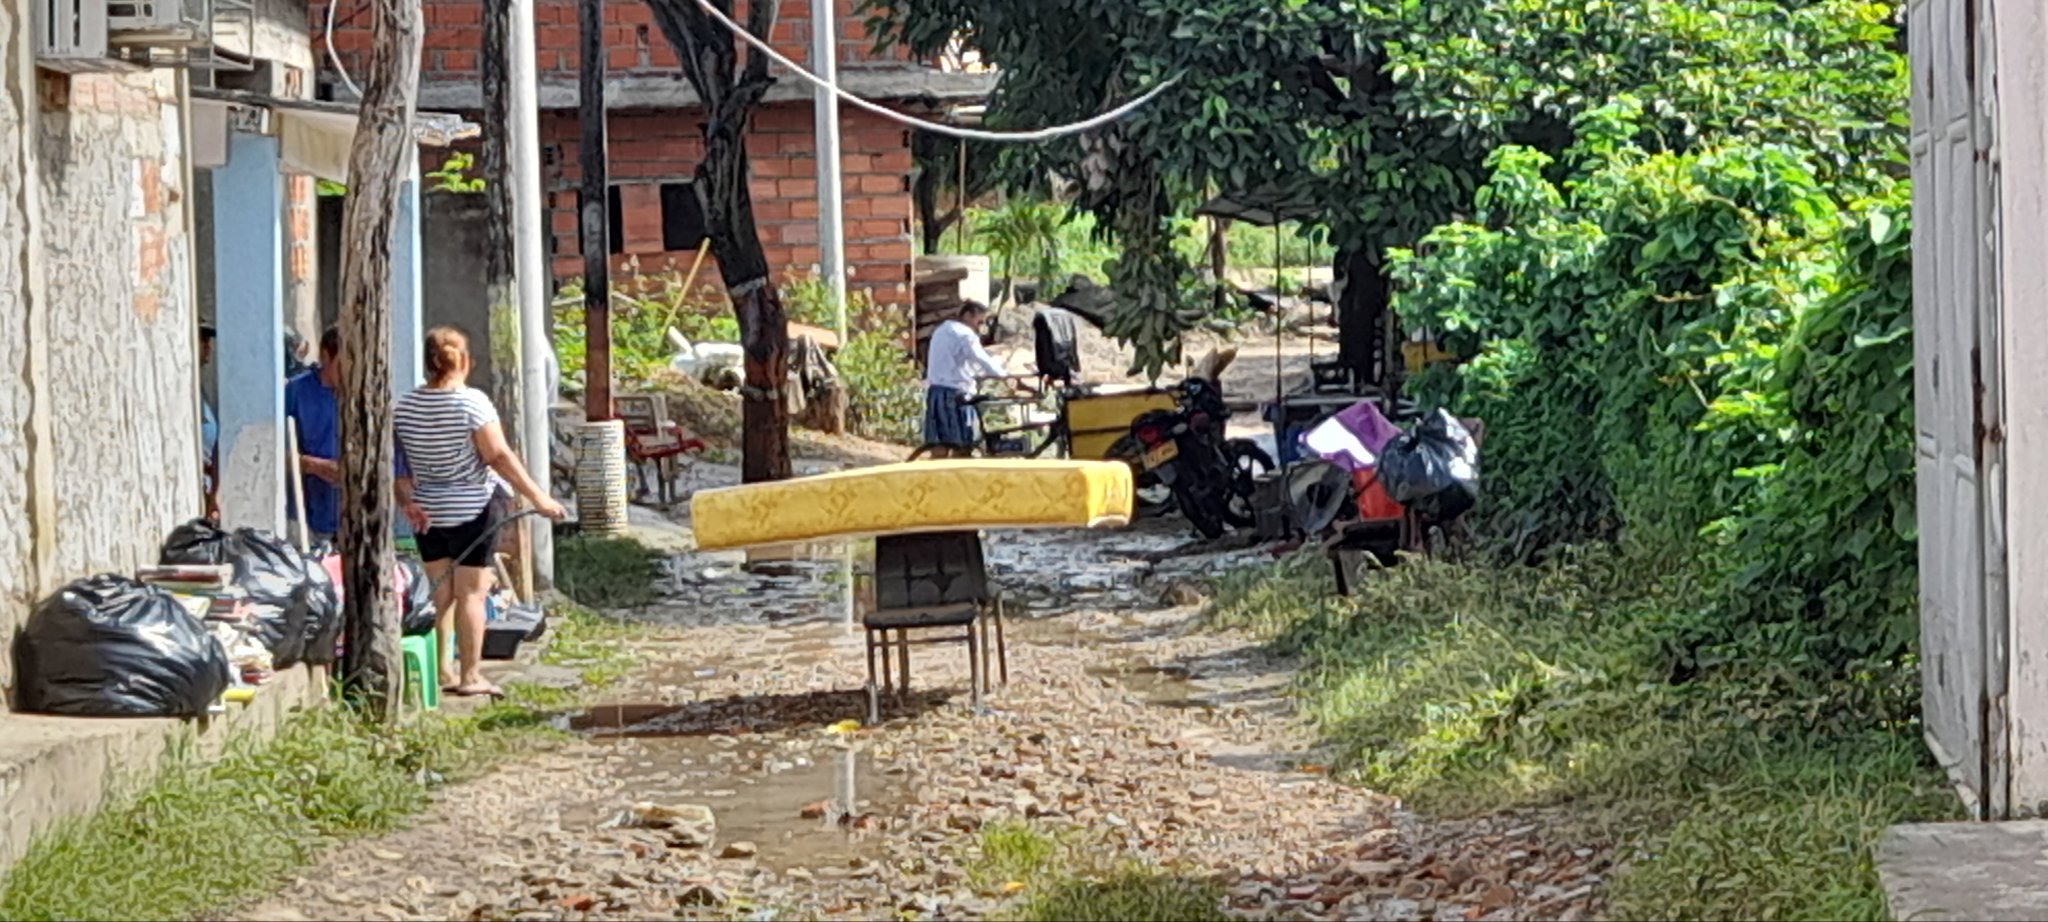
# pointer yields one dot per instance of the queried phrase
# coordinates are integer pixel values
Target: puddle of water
(1163, 686)
(801, 807)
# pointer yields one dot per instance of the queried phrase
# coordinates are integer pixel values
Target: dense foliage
(1385, 112)
(1700, 353)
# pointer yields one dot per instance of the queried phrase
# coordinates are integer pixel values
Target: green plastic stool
(421, 670)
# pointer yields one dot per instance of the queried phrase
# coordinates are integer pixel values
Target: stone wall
(97, 339)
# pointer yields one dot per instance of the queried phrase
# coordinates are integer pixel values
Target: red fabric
(1373, 501)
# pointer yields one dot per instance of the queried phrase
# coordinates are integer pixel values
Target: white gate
(1957, 376)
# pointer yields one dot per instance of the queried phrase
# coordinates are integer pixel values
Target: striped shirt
(436, 433)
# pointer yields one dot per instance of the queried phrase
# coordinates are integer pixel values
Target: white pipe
(831, 226)
(530, 274)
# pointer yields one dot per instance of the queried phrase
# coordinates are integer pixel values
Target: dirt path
(1122, 717)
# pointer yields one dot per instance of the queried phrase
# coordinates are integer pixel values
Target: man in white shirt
(952, 363)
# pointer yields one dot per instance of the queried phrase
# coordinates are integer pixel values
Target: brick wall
(648, 149)
(454, 37)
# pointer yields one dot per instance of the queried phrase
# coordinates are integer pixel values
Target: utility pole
(595, 215)
(831, 224)
(537, 368)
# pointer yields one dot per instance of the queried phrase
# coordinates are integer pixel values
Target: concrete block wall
(99, 424)
(647, 149)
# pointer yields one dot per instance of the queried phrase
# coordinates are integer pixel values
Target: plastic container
(1373, 502)
(1096, 421)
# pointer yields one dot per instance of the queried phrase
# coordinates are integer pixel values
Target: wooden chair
(931, 589)
(654, 444)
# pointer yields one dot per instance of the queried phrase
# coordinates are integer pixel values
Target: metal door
(1956, 378)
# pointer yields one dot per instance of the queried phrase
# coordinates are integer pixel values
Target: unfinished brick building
(656, 139)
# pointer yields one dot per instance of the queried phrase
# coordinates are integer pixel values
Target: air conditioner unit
(160, 23)
(71, 36)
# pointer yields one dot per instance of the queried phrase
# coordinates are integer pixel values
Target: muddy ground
(1125, 719)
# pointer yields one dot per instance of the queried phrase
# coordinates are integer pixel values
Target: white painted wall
(2022, 84)
(99, 430)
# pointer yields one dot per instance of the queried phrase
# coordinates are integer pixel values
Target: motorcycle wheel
(1247, 461)
(1203, 501)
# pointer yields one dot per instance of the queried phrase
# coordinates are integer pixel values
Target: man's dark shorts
(948, 420)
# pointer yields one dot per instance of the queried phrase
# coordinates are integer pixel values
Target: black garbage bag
(108, 646)
(321, 600)
(1433, 470)
(416, 606)
(267, 570)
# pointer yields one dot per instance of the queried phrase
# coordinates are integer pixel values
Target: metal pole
(530, 273)
(831, 224)
(596, 215)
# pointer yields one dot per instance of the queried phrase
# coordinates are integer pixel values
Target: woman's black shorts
(466, 543)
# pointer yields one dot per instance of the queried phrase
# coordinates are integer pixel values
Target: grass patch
(1062, 877)
(590, 642)
(200, 837)
(605, 573)
(210, 835)
(1747, 791)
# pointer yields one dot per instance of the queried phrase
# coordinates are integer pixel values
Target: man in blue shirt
(209, 431)
(310, 404)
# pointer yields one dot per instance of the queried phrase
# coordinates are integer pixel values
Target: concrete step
(1980, 871)
(55, 768)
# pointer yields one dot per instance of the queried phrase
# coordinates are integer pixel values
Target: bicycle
(1012, 440)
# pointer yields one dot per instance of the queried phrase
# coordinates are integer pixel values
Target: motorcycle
(1184, 450)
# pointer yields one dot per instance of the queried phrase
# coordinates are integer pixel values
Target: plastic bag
(268, 571)
(1433, 470)
(415, 599)
(321, 600)
(108, 646)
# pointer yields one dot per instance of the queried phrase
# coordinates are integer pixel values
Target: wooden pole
(596, 215)
(501, 289)
(298, 484)
(960, 197)
(381, 158)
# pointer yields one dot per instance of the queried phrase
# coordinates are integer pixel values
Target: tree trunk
(382, 157)
(764, 326)
(730, 94)
(1362, 341)
(501, 289)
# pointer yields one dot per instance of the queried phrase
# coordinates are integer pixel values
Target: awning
(313, 136)
(1264, 207)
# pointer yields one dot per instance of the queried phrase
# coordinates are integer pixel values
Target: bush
(885, 398)
(1702, 354)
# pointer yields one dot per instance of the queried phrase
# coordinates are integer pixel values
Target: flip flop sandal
(471, 691)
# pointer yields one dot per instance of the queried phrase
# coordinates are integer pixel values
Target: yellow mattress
(915, 497)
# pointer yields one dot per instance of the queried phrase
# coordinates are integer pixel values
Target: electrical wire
(953, 131)
(335, 59)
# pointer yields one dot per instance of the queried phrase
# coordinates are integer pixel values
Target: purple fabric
(1339, 439)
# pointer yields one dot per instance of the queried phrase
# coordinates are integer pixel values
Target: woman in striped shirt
(454, 473)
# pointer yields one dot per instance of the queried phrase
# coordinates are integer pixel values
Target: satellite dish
(1316, 493)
